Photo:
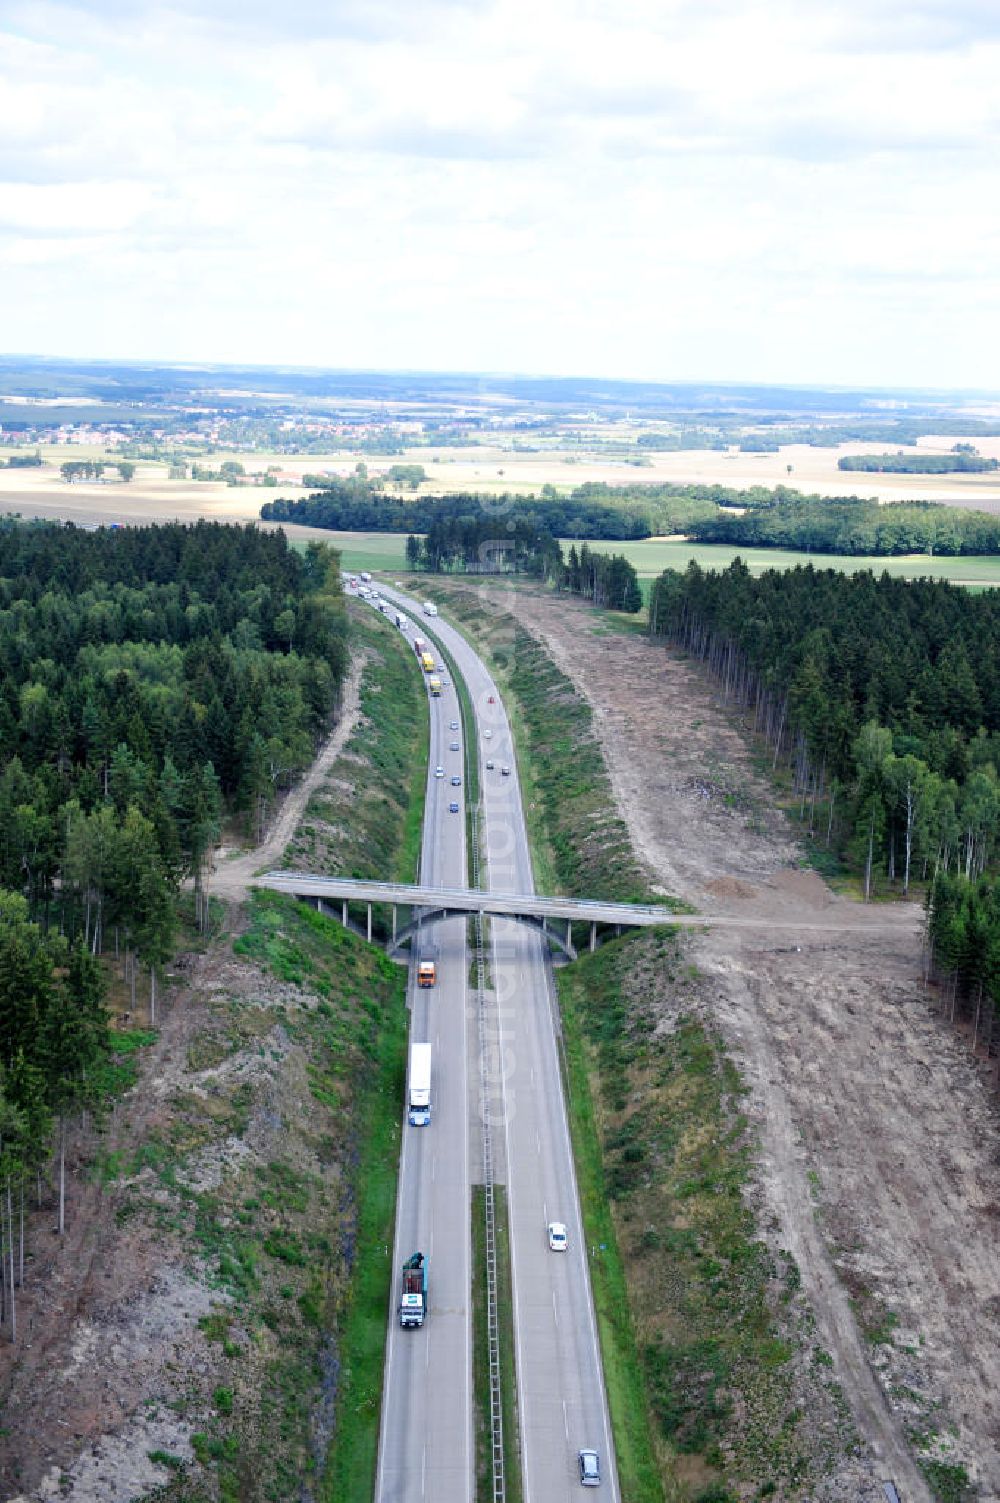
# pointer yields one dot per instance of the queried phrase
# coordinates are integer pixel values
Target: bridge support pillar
(569, 934)
(394, 923)
(343, 913)
(593, 938)
(369, 923)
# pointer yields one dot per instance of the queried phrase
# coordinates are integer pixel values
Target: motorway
(561, 1398)
(425, 1449)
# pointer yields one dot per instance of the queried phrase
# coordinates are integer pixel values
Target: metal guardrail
(498, 1479)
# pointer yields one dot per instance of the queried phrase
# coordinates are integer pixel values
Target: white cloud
(790, 190)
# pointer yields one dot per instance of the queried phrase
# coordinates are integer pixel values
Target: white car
(439, 772)
(557, 1236)
(487, 734)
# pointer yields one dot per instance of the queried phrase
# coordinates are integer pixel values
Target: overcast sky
(796, 190)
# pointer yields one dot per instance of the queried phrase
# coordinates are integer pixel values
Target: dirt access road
(878, 1134)
(234, 871)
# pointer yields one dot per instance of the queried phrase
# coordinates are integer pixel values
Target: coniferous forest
(152, 680)
(883, 698)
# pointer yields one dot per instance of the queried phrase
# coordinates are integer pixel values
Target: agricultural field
(152, 497)
(654, 555)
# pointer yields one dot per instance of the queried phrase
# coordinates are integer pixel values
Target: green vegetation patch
(706, 1343)
(288, 1238)
(366, 821)
(586, 846)
(480, 1356)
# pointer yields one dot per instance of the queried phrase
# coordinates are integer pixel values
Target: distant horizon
(307, 368)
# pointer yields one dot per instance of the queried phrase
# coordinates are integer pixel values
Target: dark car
(453, 807)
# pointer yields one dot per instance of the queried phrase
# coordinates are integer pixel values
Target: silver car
(590, 1469)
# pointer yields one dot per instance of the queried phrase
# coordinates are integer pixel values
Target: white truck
(419, 1099)
(430, 609)
(401, 620)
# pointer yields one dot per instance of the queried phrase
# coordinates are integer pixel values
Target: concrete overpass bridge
(552, 917)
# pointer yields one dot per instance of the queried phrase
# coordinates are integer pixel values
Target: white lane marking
(565, 1421)
(512, 1186)
(538, 1145)
(555, 1317)
(434, 1164)
(423, 1470)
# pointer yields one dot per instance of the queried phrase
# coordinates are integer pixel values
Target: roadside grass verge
(703, 1327)
(580, 846)
(367, 819)
(480, 1358)
(292, 1238)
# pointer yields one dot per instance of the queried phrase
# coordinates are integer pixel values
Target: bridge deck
(464, 899)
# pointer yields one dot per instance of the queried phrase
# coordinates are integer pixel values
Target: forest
(882, 696)
(963, 936)
(850, 525)
(470, 545)
(962, 461)
(152, 681)
(358, 505)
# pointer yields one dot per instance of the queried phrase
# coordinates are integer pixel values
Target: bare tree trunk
(62, 1176)
(829, 823)
(152, 996)
(10, 1245)
(868, 858)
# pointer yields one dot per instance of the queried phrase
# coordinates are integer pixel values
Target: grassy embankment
(707, 1349)
(305, 1067)
(370, 826)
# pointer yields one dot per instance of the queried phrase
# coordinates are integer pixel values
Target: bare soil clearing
(879, 1136)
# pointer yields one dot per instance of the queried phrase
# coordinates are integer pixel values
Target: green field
(652, 557)
(384, 550)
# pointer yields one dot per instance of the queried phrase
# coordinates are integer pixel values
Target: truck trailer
(434, 684)
(426, 973)
(413, 1295)
(427, 662)
(419, 1100)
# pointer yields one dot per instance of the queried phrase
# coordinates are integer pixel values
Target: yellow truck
(427, 662)
(426, 973)
(435, 685)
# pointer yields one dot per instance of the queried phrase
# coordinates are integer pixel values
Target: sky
(792, 191)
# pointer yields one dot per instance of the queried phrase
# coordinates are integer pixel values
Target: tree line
(850, 525)
(963, 945)
(93, 469)
(475, 545)
(357, 505)
(959, 462)
(151, 680)
(883, 696)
